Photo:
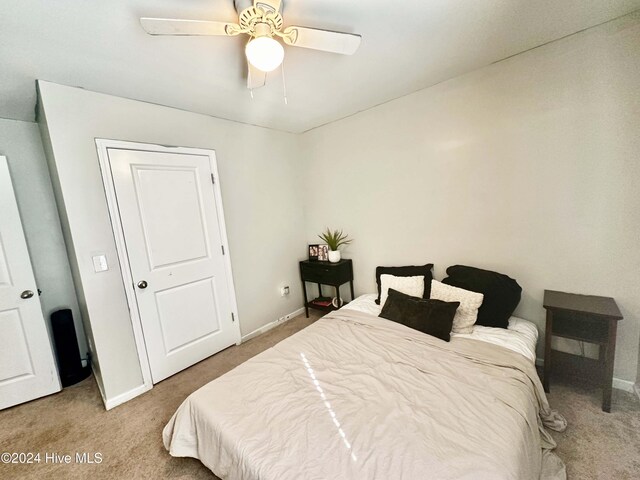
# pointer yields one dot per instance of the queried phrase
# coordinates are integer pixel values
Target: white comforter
(356, 397)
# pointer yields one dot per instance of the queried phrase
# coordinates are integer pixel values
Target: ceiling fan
(262, 21)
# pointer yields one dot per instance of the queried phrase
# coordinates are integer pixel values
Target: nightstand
(325, 273)
(585, 318)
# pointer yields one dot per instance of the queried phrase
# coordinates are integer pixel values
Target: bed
(355, 396)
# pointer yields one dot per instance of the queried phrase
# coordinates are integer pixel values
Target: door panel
(180, 314)
(27, 367)
(173, 240)
(171, 220)
(17, 364)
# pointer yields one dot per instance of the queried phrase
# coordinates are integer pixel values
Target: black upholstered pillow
(501, 293)
(408, 271)
(430, 316)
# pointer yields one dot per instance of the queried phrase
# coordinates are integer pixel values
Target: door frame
(102, 145)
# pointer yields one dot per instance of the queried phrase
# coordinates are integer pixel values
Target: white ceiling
(406, 46)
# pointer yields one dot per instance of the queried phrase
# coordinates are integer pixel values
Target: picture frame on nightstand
(323, 253)
(313, 252)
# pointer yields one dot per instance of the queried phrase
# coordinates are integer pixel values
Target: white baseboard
(110, 403)
(625, 385)
(618, 383)
(270, 325)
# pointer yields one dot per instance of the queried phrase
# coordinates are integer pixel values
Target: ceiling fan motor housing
(253, 17)
(262, 29)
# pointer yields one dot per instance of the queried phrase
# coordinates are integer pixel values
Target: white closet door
(27, 367)
(175, 250)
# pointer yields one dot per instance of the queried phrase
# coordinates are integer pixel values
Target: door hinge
(222, 247)
(233, 318)
(213, 179)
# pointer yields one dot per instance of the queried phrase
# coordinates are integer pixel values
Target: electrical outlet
(284, 291)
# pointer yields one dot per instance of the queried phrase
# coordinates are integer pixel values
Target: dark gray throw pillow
(408, 271)
(430, 316)
(501, 293)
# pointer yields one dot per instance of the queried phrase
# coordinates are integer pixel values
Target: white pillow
(467, 312)
(413, 286)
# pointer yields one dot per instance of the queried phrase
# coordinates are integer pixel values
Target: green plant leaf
(335, 238)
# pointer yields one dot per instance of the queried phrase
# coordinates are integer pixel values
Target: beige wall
(20, 142)
(259, 178)
(529, 167)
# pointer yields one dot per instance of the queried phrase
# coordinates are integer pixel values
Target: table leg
(351, 286)
(547, 351)
(608, 367)
(306, 302)
(338, 295)
(602, 363)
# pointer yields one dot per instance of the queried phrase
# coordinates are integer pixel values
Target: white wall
(20, 142)
(528, 167)
(260, 185)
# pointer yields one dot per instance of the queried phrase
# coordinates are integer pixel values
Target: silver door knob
(142, 284)
(26, 294)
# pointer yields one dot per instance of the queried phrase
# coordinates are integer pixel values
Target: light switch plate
(100, 263)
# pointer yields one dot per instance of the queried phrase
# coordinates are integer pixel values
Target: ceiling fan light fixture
(264, 53)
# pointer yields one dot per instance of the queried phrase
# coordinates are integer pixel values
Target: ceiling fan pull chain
(250, 89)
(284, 86)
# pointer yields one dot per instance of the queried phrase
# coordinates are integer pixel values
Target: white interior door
(27, 367)
(175, 248)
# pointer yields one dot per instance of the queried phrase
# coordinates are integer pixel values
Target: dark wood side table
(586, 318)
(325, 273)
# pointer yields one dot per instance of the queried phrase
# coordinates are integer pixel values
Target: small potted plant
(334, 239)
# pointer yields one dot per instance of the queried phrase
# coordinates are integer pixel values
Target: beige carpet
(595, 446)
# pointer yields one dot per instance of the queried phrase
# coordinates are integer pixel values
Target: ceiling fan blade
(169, 26)
(255, 78)
(326, 40)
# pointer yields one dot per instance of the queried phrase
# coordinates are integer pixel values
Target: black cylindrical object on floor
(67, 351)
